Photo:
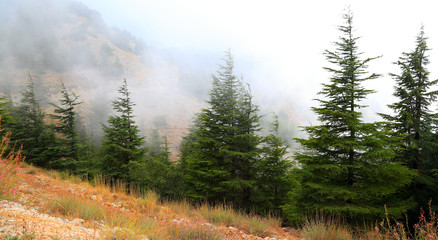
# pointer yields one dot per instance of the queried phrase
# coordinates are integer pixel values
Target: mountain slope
(53, 205)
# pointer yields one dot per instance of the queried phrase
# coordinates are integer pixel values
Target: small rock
(77, 221)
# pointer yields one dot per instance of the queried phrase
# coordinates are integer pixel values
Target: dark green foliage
(88, 160)
(413, 116)
(220, 163)
(273, 168)
(65, 126)
(5, 117)
(224, 159)
(29, 130)
(157, 172)
(187, 148)
(414, 120)
(121, 143)
(348, 166)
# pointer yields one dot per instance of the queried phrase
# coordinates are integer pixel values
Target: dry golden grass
(75, 207)
(119, 214)
(325, 230)
(253, 224)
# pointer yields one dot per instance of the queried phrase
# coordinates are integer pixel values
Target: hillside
(53, 205)
(68, 41)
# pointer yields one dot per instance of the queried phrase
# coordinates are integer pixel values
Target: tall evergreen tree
(30, 131)
(220, 164)
(414, 120)
(122, 143)
(348, 166)
(68, 144)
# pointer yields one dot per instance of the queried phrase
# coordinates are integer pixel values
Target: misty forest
(91, 100)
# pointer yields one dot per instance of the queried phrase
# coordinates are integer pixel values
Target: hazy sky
(285, 39)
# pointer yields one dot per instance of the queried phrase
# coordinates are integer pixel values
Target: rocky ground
(19, 220)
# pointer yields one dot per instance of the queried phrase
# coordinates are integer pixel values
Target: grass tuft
(188, 232)
(149, 203)
(219, 214)
(322, 228)
(252, 224)
(72, 206)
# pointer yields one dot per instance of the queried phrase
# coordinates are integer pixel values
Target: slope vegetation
(54, 205)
